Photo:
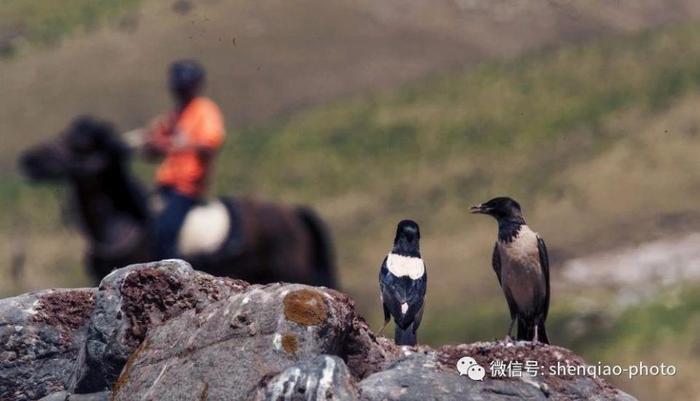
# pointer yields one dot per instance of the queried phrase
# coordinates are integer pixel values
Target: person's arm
(157, 143)
(153, 152)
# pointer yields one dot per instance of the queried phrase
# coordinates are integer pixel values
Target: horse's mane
(126, 192)
(121, 186)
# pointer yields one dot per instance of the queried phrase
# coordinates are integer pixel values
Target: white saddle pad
(205, 229)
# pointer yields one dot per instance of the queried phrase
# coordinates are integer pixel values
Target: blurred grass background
(45, 22)
(595, 134)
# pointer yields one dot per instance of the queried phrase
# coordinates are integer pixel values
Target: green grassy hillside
(566, 132)
(498, 109)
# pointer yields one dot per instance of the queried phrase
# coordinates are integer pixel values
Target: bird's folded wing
(496, 262)
(544, 263)
(399, 291)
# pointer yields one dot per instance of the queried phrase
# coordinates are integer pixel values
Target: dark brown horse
(243, 238)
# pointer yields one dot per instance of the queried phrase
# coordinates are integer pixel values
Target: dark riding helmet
(186, 77)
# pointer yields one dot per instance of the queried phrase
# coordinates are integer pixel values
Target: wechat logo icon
(468, 366)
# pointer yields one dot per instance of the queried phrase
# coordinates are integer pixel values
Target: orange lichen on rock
(290, 343)
(305, 307)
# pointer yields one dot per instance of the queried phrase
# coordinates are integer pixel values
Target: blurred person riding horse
(245, 238)
(187, 140)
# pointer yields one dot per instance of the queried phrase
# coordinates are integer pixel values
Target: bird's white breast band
(400, 265)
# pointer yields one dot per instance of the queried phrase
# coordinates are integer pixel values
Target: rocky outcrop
(307, 343)
(79, 340)
(266, 329)
(40, 336)
(163, 331)
(427, 374)
(129, 302)
(545, 359)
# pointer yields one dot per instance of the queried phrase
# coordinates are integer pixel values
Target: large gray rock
(418, 376)
(228, 350)
(363, 352)
(132, 300)
(541, 385)
(426, 374)
(322, 378)
(40, 335)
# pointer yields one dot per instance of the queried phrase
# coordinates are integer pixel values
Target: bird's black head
(502, 209)
(407, 239)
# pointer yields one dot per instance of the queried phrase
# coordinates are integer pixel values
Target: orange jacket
(199, 125)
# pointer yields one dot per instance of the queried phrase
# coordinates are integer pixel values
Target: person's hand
(136, 138)
(154, 146)
(179, 141)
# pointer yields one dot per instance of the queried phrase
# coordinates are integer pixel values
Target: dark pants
(170, 219)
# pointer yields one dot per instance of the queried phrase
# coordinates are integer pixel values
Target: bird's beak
(476, 209)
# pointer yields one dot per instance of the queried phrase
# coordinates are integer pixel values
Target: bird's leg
(387, 317)
(381, 329)
(509, 336)
(536, 339)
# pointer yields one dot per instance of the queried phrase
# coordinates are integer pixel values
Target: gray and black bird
(521, 263)
(403, 282)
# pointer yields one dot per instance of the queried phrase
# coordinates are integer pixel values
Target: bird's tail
(405, 336)
(526, 331)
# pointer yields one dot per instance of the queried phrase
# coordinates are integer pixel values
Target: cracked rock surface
(40, 336)
(265, 329)
(130, 301)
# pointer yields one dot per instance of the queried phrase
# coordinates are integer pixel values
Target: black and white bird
(521, 263)
(403, 282)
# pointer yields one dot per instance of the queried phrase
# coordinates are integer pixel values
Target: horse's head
(85, 149)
